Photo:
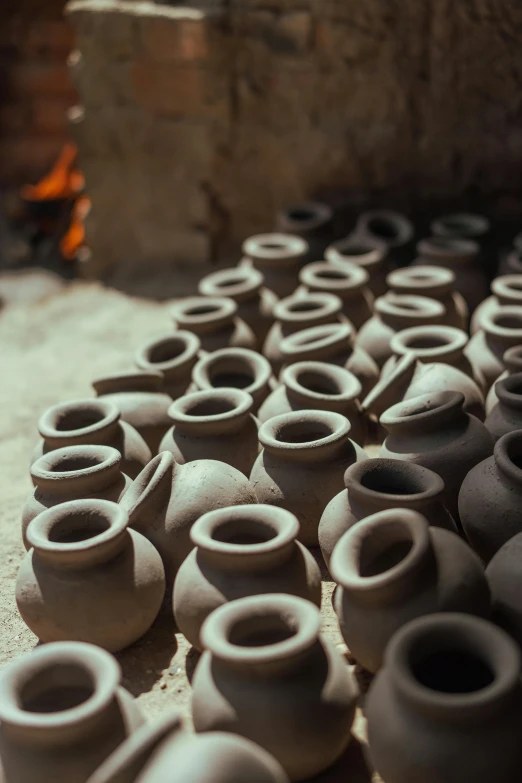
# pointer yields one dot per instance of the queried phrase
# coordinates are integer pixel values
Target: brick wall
(35, 88)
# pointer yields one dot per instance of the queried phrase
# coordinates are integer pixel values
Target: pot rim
(503, 286)
(404, 226)
(422, 276)
(408, 306)
(373, 255)
(107, 460)
(231, 282)
(456, 341)
(203, 310)
(190, 343)
(448, 247)
(239, 399)
(316, 338)
(503, 455)
(345, 380)
(338, 425)
(425, 407)
(47, 426)
(448, 225)
(490, 325)
(260, 366)
(349, 277)
(317, 214)
(322, 305)
(354, 475)
(276, 247)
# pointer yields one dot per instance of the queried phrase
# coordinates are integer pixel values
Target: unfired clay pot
(512, 361)
(435, 282)
(392, 567)
(366, 252)
(268, 676)
(349, 283)
(245, 286)
(447, 705)
(312, 221)
(392, 313)
(214, 320)
(390, 227)
(74, 473)
(278, 257)
(505, 290)
(302, 464)
(216, 424)
(377, 485)
(236, 368)
(334, 344)
(462, 257)
(296, 313)
(504, 575)
(318, 386)
(88, 578)
(174, 355)
(463, 225)
(506, 416)
(92, 422)
(491, 496)
(165, 500)
(140, 398)
(241, 551)
(500, 330)
(62, 712)
(433, 430)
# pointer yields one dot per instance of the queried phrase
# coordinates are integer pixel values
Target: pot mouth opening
(451, 670)
(506, 284)
(333, 274)
(303, 432)
(304, 307)
(392, 480)
(384, 227)
(326, 336)
(319, 383)
(245, 530)
(302, 213)
(512, 443)
(381, 554)
(231, 379)
(73, 528)
(464, 223)
(308, 306)
(429, 340)
(79, 418)
(266, 630)
(274, 247)
(56, 688)
(168, 349)
(512, 385)
(74, 463)
(203, 310)
(233, 280)
(513, 355)
(214, 407)
(507, 321)
(355, 249)
(232, 531)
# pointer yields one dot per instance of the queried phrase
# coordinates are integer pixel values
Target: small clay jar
(140, 398)
(241, 551)
(174, 355)
(278, 257)
(505, 290)
(504, 575)
(62, 712)
(365, 252)
(74, 473)
(462, 257)
(447, 705)
(302, 464)
(390, 227)
(214, 320)
(506, 416)
(433, 430)
(296, 313)
(267, 675)
(393, 567)
(332, 343)
(391, 314)
(491, 495)
(236, 368)
(500, 330)
(435, 282)
(318, 386)
(377, 485)
(88, 578)
(92, 423)
(216, 424)
(245, 286)
(166, 499)
(512, 361)
(461, 225)
(349, 283)
(312, 221)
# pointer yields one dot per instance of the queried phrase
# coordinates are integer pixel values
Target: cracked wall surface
(201, 120)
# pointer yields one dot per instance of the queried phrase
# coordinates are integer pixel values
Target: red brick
(34, 78)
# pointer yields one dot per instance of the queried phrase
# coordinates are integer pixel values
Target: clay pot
(165, 500)
(391, 314)
(393, 567)
(245, 286)
(506, 416)
(332, 343)
(511, 264)
(504, 575)
(512, 361)
(377, 485)
(302, 464)
(88, 578)
(278, 257)
(461, 225)
(241, 551)
(505, 290)
(296, 313)
(236, 368)
(174, 355)
(366, 252)
(214, 320)
(491, 495)
(62, 713)
(435, 282)
(74, 473)
(140, 398)
(267, 675)
(433, 430)
(348, 282)
(447, 705)
(392, 228)
(462, 257)
(318, 386)
(216, 424)
(500, 330)
(312, 221)
(96, 423)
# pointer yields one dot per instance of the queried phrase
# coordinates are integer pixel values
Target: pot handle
(150, 492)
(395, 378)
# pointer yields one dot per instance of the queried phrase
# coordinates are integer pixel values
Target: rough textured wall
(201, 120)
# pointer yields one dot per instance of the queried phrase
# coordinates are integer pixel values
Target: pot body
(504, 575)
(278, 257)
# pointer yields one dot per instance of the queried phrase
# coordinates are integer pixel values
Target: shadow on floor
(353, 766)
(143, 663)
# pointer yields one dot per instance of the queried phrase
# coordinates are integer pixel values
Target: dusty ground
(53, 344)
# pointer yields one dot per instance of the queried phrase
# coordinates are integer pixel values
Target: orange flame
(63, 181)
(75, 235)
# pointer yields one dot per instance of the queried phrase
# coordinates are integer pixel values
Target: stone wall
(201, 120)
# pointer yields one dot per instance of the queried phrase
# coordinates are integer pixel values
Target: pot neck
(149, 494)
(434, 282)
(204, 314)
(318, 385)
(380, 483)
(275, 250)
(308, 436)
(173, 355)
(239, 284)
(212, 413)
(426, 414)
(123, 383)
(77, 471)
(400, 311)
(238, 368)
(80, 422)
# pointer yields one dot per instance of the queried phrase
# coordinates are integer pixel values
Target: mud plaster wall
(200, 121)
